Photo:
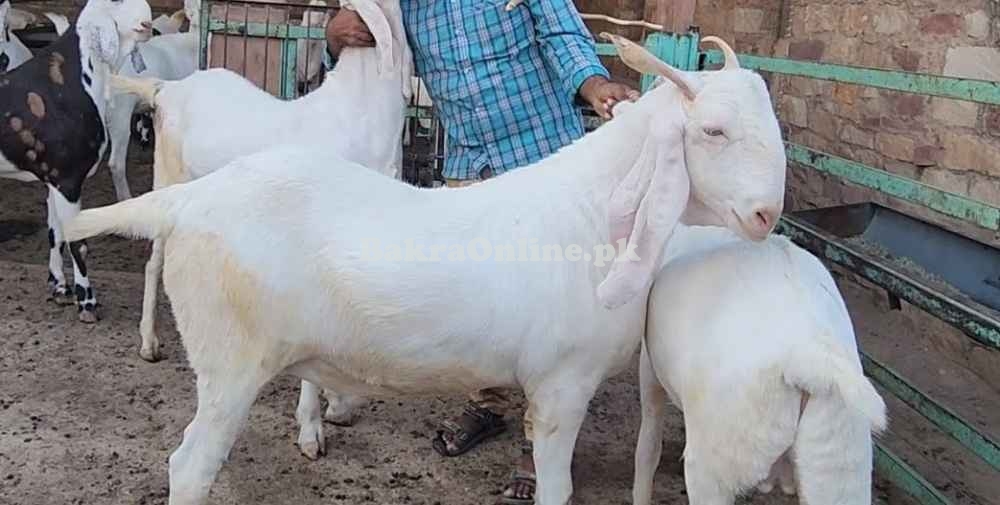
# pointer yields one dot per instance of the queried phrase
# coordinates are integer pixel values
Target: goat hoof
(342, 419)
(151, 355)
(62, 296)
(88, 316)
(312, 449)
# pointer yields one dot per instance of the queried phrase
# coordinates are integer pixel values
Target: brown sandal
(472, 427)
(522, 479)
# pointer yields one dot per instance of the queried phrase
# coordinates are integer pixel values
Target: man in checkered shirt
(505, 86)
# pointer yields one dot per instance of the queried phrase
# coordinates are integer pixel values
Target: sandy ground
(83, 420)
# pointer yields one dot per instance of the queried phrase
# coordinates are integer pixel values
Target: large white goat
(271, 275)
(754, 343)
(214, 116)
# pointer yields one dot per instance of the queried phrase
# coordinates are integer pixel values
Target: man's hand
(347, 29)
(603, 94)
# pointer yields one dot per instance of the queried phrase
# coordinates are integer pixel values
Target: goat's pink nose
(764, 219)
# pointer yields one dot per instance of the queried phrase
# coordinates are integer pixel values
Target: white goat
(271, 276)
(54, 113)
(172, 56)
(754, 343)
(358, 112)
(309, 56)
(13, 52)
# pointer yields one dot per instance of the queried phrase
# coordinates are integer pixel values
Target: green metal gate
(984, 327)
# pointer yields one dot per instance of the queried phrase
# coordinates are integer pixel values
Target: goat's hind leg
(342, 409)
(150, 348)
(650, 445)
(57, 279)
(224, 401)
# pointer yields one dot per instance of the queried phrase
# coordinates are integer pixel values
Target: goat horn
(732, 62)
(639, 59)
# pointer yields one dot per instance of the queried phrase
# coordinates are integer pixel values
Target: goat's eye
(714, 132)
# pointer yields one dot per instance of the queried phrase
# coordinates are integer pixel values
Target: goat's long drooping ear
(395, 16)
(654, 214)
(641, 60)
(381, 32)
(102, 36)
(732, 62)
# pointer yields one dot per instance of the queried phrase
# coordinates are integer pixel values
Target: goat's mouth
(143, 34)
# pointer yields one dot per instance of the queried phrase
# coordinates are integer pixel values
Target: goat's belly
(368, 376)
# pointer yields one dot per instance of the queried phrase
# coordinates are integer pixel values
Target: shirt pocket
(495, 33)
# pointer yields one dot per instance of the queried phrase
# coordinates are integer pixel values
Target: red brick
(907, 105)
(941, 24)
(806, 50)
(907, 59)
(927, 155)
(992, 120)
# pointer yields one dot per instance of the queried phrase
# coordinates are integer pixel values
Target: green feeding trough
(944, 260)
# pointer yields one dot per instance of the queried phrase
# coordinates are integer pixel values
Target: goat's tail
(145, 88)
(59, 21)
(825, 368)
(147, 216)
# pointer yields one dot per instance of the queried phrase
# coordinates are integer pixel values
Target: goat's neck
(595, 164)
(356, 75)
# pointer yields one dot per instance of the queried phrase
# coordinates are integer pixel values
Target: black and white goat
(52, 126)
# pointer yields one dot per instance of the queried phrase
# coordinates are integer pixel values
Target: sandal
(524, 481)
(475, 425)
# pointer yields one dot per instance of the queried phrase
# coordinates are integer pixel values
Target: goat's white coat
(736, 333)
(268, 275)
(215, 116)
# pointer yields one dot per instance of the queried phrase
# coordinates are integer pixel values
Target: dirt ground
(83, 420)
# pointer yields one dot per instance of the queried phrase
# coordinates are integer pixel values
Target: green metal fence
(984, 328)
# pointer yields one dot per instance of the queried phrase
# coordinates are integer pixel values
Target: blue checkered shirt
(503, 83)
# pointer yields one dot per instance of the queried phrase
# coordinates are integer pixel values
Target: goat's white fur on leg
(83, 292)
(57, 278)
(149, 346)
(650, 445)
(309, 415)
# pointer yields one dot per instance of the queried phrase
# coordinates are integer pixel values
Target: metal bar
(288, 61)
(204, 34)
(924, 84)
(950, 204)
(277, 31)
(267, 43)
(942, 417)
(981, 327)
(904, 476)
(606, 49)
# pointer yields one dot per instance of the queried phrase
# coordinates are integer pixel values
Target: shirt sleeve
(566, 42)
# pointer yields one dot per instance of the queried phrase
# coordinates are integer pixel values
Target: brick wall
(950, 144)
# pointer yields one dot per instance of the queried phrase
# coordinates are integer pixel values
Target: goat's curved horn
(639, 59)
(732, 62)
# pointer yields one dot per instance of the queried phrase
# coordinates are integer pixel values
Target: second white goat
(754, 343)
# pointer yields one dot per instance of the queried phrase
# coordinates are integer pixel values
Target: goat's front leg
(312, 443)
(86, 302)
(342, 409)
(650, 445)
(150, 349)
(57, 279)
(224, 401)
(557, 410)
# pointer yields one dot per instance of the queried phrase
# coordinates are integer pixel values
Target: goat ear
(378, 24)
(102, 35)
(644, 210)
(406, 55)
